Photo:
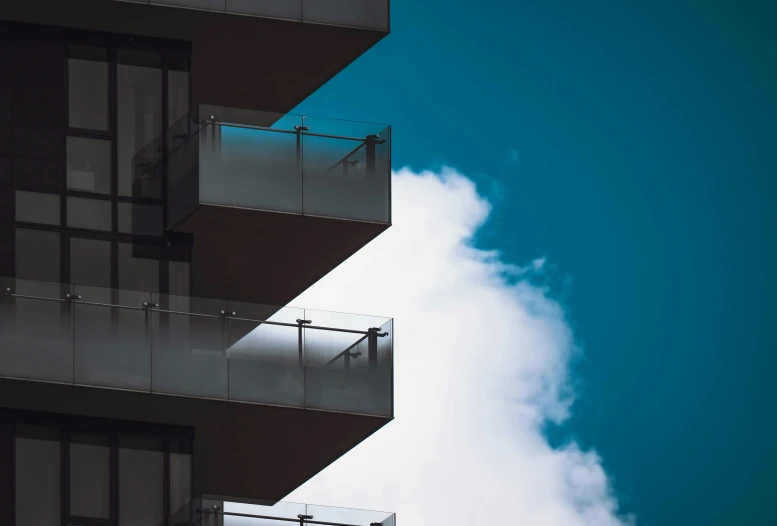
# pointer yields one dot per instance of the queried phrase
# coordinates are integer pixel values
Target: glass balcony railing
(268, 161)
(197, 347)
(206, 512)
(367, 14)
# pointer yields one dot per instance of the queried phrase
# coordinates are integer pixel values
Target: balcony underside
(241, 450)
(233, 56)
(268, 257)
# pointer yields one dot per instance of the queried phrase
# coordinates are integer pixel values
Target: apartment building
(159, 209)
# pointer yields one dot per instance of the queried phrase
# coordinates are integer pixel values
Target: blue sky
(632, 146)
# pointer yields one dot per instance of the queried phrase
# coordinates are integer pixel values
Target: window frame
(64, 426)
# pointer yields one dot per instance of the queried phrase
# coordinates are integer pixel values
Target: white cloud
(481, 364)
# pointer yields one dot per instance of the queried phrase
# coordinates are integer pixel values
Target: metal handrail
(302, 519)
(223, 314)
(298, 131)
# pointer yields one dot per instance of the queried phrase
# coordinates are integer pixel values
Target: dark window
(94, 467)
(91, 214)
(88, 88)
(89, 165)
(90, 262)
(141, 481)
(137, 272)
(38, 477)
(33, 207)
(90, 476)
(37, 255)
(139, 80)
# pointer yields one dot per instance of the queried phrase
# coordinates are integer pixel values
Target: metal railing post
(370, 142)
(300, 327)
(298, 130)
(372, 346)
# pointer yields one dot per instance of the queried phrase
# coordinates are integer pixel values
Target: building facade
(159, 209)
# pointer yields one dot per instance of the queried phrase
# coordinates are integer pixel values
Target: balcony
(309, 41)
(259, 384)
(263, 192)
(214, 512)
(365, 14)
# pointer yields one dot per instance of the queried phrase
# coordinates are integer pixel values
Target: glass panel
(91, 214)
(281, 510)
(148, 171)
(251, 167)
(183, 169)
(37, 255)
(343, 371)
(265, 362)
(178, 95)
(89, 165)
(179, 280)
(90, 476)
(189, 353)
(370, 14)
(88, 88)
(36, 339)
(267, 8)
(33, 207)
(346, 515)
(90, 262)
(141, 482)
(139, 110)
(188, 514)
(346, 173)
(180, 481)
(140, 219)
(112, 345)
(38, 482)
(139, 267)
(214, 5)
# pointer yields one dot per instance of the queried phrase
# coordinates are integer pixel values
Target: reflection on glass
(89, 165)
(139, 110)
(252, 168)
(138, 267)
(111, 346)
(177, 95)
(345, 371)
(189, 357)
(346, 169)
(140, 219)
(265, 363)
(26, 351)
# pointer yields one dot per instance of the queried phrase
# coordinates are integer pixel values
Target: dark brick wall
(7, 476)
(32, 120)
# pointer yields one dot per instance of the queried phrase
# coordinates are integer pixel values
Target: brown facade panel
(7, 475)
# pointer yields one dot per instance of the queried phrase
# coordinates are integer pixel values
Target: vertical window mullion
(65, 475)
(115, 479)
(166, 481)
(113, 126)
